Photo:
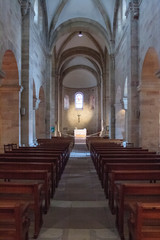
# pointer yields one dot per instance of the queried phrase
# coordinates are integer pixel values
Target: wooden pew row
(56, 140)
(95, 149)
(34, 158)
(125, 154)
(14, 221)
(132, 158)
(128, 175)
(63, 151)
(100, 153)
(144, 221)
(109, 167)
(42, 176)
(41, 152)
(17, 165)
(9, 147)
(61, 155)
(30, 193)
(128, 194)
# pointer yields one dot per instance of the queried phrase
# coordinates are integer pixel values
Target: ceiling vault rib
(56, 16)
(80, 51)
(77, 67)
(105, 16)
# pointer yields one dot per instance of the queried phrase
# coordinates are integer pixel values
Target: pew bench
(128, 175)
(103, 152)
(30, 193)
(127, 194)
(36, 175)
(14, 221)
(109, 167)
(126, 160)
(50, 167)
(144, 221)
(36, 159)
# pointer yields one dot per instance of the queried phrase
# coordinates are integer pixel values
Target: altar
(80, 135)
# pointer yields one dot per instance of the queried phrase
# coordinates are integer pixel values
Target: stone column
(49, 97)
(54, 95)
(107, 102)
(112, 95)
(102, 106)
(59, 99)
(133, 106)
(27, 18)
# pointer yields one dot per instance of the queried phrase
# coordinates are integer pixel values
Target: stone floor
(79, 210)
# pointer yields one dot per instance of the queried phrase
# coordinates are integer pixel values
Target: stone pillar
(49, 98)
(112, 96)
(102, 106)
(54, 95)
(125, 104)
(36, 103)
(27, 18)
(133, 106)
(59, 99)
(107, 102)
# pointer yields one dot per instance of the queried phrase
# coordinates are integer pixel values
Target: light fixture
(80, 34)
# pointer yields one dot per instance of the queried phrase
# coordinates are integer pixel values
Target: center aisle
(79, 210)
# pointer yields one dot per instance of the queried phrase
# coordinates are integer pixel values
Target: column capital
(36, 102)
(25, 6)
(133, 8)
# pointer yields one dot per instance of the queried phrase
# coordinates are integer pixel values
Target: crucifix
(78, 118)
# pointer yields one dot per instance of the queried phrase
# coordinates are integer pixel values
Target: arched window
(79, 100)
(66, 102)
(36, 11)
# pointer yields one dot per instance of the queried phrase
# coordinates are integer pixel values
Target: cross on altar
(78, 118)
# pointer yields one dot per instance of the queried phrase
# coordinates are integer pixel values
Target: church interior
(83, 78)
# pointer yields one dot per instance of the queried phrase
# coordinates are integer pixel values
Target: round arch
(9, 101)
(149, 102)
(86, 25)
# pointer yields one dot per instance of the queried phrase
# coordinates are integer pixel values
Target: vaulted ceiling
(80, 56)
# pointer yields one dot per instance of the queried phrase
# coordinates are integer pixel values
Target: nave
(79, 210)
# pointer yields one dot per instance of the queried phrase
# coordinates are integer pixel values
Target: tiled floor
(79, 210)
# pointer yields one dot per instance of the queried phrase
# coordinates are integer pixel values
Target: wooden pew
(14, 221)
(128, 194)
(128, 175)
(27, 193)
(36, 175)
(36, 159)
(144, 221)
(104, 157)
(97, 152)
(130, 159)
(50, 167)
(63, 151)
(109, 167)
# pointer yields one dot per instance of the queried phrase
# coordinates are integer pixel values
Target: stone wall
(149, 86)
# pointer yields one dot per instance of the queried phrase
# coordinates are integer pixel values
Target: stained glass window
(79, 100)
